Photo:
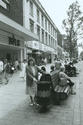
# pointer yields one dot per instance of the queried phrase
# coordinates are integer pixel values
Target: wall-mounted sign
(35, 45)
(14, 42)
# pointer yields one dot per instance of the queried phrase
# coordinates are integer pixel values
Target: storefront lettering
(14, 42)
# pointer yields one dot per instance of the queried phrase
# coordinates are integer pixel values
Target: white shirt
(1, 66)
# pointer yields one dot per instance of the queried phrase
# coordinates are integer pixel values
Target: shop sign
(35, 45)
(29, 51)
(14, 42)
(40, 46)
(45, 48)
(29, 44)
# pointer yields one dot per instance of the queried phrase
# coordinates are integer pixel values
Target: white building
(38, 21)
(12, 33)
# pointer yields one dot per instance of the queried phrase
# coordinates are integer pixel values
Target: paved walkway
(15, 109)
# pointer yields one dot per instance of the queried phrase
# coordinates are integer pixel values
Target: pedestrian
(5, 71)
(72, 68)
(23, 70)
(31, 79)
(45, 61)
(16, 65)
(64, 80)
(1, 71)
(57, 64)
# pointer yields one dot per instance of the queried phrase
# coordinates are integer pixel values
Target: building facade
(12, 32)
(38, 21)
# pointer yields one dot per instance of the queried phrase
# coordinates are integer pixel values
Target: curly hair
(31, 59)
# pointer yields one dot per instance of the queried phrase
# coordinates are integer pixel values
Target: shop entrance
(8, 56)
(9, 53)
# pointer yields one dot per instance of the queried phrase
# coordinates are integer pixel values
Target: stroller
(44, 92)
(70, 70)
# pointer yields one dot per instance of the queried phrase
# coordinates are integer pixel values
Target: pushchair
(44, 92)
(70, 70)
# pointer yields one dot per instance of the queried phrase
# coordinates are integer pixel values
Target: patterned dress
(31, 85)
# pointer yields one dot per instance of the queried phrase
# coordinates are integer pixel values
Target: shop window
(46, 24)
(42, 20)
(31, 26)
(31, 8)
(53, 43)
(49, 27)
(38, 31)
(38, 16)
(49, 39)
(43, 36)
(46, 38)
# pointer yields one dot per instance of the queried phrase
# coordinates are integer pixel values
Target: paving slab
(15, 109)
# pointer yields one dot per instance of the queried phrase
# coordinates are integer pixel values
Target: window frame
(31, 23)
(31, 8)
(38, 16)
(38, 29)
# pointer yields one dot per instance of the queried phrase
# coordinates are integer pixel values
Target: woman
(64, 80)
(31, 79)
(5, 71)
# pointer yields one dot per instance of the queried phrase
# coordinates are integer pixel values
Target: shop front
(33, 50)
(49, 53)
(11, 47)
(12, 37)
(40, 52)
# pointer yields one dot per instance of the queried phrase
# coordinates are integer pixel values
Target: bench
(60, 92)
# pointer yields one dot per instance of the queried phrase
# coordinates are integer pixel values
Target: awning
(38, 52)
(11, 26)
(29, 51)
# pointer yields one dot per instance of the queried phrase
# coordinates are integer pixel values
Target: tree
(72, 25)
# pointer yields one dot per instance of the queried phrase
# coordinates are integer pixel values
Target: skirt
(32, 90)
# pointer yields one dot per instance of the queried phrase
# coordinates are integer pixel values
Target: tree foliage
(73, 27)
